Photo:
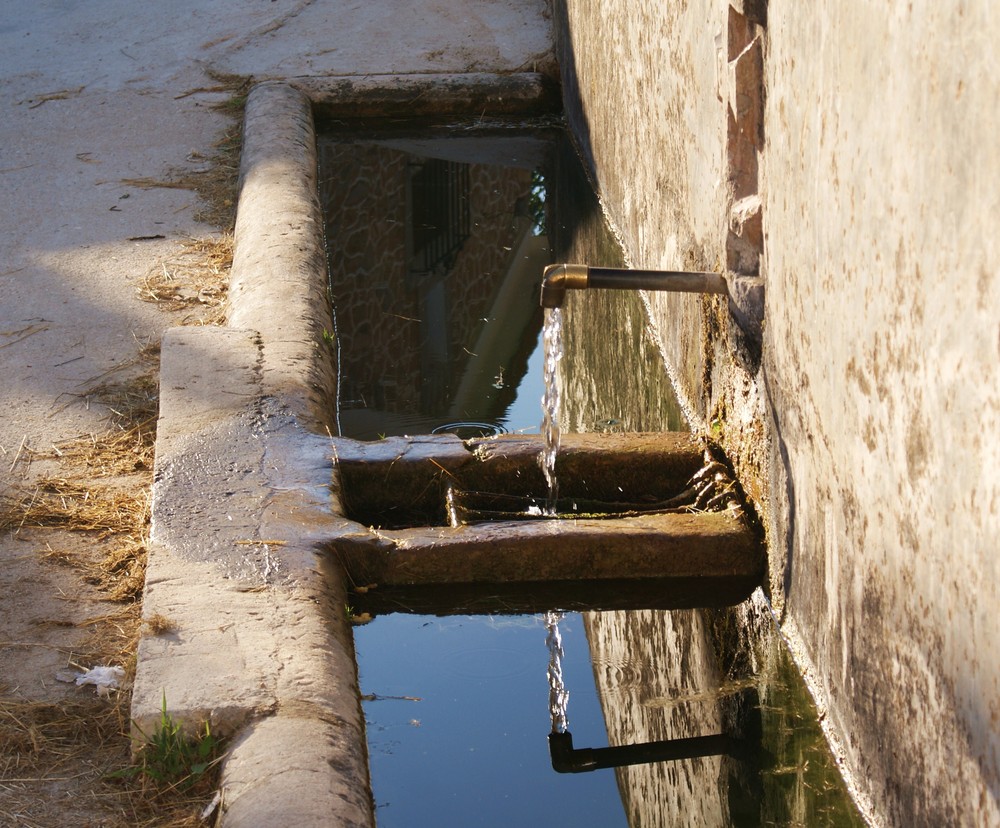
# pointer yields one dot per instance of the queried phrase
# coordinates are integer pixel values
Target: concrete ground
(101, 101)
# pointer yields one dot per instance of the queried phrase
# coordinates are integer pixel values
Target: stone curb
(252, 642)
(251, 639)
(483, 94)
(278, 285)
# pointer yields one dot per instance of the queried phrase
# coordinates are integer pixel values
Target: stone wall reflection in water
(612, 374)
(434, 250)
(657, 680)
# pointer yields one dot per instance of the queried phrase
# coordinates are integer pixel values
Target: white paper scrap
(105, 679)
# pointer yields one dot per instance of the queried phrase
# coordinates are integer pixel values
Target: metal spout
(558, 278)
(567, 759)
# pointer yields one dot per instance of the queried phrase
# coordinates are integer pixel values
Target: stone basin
(634, 554)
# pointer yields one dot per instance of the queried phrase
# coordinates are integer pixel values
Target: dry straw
(194, 281)
(99, 494)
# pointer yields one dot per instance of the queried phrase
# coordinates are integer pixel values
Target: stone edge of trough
(243, 630)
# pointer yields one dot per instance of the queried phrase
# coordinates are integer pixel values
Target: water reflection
(612, 374)
(457, 724)
(672, 675)
(675, 674)
(558, 694)
(435, 247)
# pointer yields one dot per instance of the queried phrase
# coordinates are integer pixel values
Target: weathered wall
(883, 354)
(880, 373)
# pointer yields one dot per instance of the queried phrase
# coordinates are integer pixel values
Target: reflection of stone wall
(612, 374)
(494, 196)
(657, 679)
(668, 675)
(378, 316)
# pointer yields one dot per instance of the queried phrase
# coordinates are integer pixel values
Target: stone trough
(261, 521)
(633, 555)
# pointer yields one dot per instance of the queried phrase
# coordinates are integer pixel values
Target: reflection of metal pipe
(558, 278)
(567, 759)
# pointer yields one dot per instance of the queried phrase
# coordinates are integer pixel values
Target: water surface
(473, 750)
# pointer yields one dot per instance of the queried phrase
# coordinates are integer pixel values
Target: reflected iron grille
(439, 192)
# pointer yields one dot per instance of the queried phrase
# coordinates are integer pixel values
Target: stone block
(745, 240)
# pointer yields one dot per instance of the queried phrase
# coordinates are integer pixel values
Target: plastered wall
(865, 427)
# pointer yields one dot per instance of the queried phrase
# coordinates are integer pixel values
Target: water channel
(437, 245)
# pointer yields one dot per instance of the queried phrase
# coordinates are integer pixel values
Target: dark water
(435, 292)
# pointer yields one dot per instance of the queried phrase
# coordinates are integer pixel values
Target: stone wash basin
(616, 543)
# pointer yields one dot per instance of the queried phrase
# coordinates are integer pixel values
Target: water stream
(552, 337)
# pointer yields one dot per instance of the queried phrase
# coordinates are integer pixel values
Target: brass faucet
(558, 278)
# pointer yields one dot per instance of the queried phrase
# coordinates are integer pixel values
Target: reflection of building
(669, 675)
(424, 248)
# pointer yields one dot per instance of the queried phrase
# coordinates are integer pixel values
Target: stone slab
(709, 545)
(403, 480)
(433, 95)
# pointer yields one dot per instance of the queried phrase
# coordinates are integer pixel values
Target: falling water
(552, 337)
(558, 694)
(449, 499)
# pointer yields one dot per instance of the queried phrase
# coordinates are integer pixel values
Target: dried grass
(102, 489)
(159, 624)
(53, 749)
(79, 505)
(45, 745)
(195, 280)
(126, 447)
(216, 183)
